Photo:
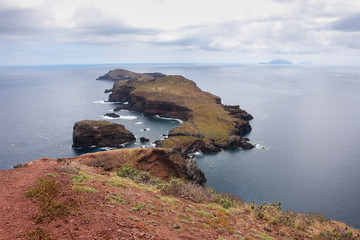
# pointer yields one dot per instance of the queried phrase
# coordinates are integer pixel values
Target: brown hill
(49, 199)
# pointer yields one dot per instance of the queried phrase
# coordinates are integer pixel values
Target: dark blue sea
(306, 127)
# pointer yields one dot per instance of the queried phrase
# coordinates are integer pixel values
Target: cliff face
(208, 125)
(163, 163)
(89, 133)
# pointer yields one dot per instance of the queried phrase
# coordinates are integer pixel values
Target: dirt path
(14, 209)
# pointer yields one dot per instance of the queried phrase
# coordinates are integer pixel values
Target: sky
(179, 31)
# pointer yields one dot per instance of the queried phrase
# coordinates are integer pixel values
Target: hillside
(62, 199)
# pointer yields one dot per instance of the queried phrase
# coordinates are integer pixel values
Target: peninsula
(207, 125)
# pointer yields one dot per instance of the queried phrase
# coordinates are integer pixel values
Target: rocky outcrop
(111, 115)
(161, 162)
(144, 140)
(89, 133)
(236, 112)
(121, 74)
(208, 125)
(161, 108)
(120, 108)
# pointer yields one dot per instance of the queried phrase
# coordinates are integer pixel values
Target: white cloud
(216, 28)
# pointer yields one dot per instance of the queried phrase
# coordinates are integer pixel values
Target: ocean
(305, 126)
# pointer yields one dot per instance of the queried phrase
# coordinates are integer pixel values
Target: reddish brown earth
(123, 209)
(16, 210)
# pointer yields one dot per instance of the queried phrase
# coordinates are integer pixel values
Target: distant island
(277, 61)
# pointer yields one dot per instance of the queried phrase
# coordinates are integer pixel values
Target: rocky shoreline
(180, 98)
(207, 126)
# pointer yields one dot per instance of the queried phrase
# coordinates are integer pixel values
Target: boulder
(88, 133)
(112, 115)
(144, 139)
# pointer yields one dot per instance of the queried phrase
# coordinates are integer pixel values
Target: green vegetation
(339, 234)
(190, 208)
(84, 189)
(138, 206)
(143, 177)
(203, 213)
(96, 123)
(38, 234)
(264, 236)
(209, 119)
(46, 193)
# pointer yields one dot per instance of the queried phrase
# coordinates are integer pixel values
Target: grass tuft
(46, 191)
(38, 234)
(84, 189)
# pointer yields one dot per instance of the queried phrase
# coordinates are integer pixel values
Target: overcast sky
(229, 31)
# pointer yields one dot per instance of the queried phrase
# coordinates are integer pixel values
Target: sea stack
(88, 133)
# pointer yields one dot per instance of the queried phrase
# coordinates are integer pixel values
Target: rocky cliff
(208, 125)
(89, 133)
(161, 162)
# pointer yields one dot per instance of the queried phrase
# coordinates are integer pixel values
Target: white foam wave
(196, 154)
(109, 118)
(104, 102)
(125, 103)
(139, 123)
(258, 146)
(107, 148)
(149, 146)
(121, 117)
(164, 118)
(128, 117)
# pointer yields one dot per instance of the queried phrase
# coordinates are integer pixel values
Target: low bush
(46, 191)
(143, 177)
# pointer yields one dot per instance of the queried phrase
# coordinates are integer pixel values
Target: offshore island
(148, 193)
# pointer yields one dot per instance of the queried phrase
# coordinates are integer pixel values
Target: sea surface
(306, 127)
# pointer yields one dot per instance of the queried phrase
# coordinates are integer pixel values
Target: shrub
(177, 187)
(38, 234)
(143, 177)
(127, 171)
(46, 192)
(339, 234)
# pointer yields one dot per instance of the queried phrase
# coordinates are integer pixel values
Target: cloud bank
(178, 30)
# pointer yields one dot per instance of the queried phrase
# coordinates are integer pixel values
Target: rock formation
(144, 139)
(161, 162)
(112, 115)
(89, 133)
(208, 125)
